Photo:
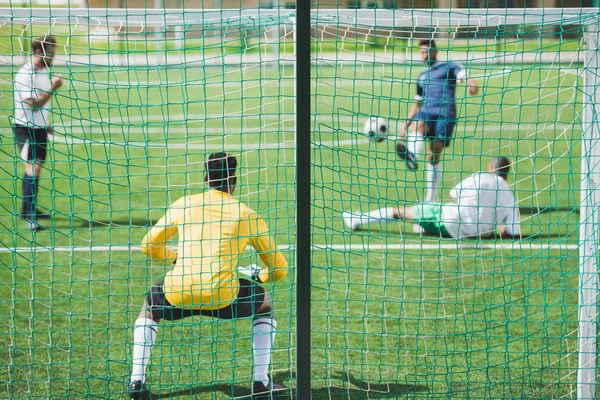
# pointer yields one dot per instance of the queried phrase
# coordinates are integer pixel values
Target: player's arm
(154, 243)
(39, 100)
(512, 224)
(461, 76)
(277, 265)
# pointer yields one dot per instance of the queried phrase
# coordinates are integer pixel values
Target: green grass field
(221, 40)
(394, 315)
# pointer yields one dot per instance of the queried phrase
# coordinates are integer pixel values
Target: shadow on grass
(129, 222)
(366, 390)
(391, 232)
(359, 390)
(229, 389)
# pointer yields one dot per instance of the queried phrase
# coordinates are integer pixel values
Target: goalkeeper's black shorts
(249, 299)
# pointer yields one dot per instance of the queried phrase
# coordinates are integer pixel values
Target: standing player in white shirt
(482, 206)
(32, 92)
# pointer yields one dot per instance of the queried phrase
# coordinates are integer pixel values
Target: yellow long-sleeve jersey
(214, 229)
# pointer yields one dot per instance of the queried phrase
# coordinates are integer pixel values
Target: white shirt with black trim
(484, 203)
(30, 83)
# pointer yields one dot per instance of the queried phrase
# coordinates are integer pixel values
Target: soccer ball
(376, 128)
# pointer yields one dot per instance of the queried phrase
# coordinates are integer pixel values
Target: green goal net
(398, 311)
(148, 95)
(402, 310)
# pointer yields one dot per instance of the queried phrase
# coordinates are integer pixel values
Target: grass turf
(424, 321)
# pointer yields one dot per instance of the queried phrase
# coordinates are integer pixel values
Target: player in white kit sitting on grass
(483, 206)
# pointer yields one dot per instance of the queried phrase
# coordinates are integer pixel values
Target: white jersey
(484, 203)
(30, 83)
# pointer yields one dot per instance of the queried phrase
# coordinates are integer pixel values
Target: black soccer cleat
(403, 153)
(259, 389)
(32, 224)
(35, 227)
(137, 391)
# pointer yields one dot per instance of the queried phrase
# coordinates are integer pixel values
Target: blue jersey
(436, 89)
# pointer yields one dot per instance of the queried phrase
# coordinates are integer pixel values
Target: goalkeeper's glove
(252, 271)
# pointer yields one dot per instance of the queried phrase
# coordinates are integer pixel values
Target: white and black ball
(376, 128)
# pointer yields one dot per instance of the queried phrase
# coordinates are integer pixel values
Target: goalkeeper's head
(220, 172)
(500, 166)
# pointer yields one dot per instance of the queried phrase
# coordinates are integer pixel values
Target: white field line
(182, 120)
(136, 83)
(325, 247)
(286, 81)
(204, 146)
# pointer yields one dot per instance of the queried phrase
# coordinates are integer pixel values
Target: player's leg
(406, 213)
(144, 335)
(411, 214)
(31, 144)
(434, 170)
(264, 328)
(415, 141)
(355, 221)
(155, 307)
(427, 218)
(442, 138)
(253, 301)
(41, 153)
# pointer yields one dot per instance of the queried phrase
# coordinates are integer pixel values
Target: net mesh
(147, 97)
(150, 93)
(402, 314)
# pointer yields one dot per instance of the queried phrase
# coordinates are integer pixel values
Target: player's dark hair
(220, 168)
(428, 42)
(43, 44)
(501, 166)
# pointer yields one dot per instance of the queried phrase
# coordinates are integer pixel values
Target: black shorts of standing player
(438, 127)
(31, 142)
(250, 297)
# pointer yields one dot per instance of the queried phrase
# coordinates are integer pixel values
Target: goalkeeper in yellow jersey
(214, 229)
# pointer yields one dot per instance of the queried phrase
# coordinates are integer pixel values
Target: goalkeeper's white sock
(434, 179)
(263, 337)
(380, 215)
(143, 339)
(415, 143)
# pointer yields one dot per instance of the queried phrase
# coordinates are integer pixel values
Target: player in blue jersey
(434, 114)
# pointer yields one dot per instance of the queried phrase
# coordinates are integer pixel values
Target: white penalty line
(206, 146)
(287, 81)
(324, 247)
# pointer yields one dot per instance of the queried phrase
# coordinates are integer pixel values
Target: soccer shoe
(137, 391)
(403, 153)
(32, 224)
(260, 390)
(350, 221)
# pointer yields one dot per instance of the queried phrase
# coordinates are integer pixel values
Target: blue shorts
(437, 127)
